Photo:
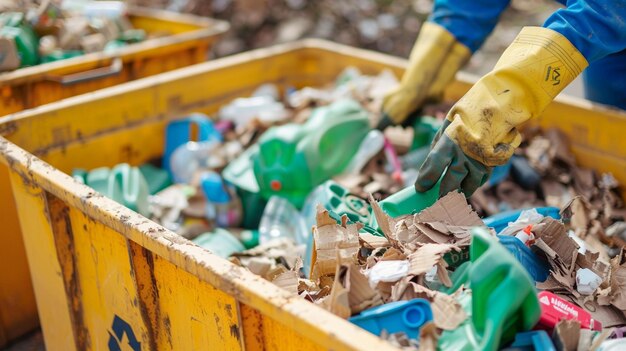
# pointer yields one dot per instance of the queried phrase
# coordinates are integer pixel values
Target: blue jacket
(597, 28)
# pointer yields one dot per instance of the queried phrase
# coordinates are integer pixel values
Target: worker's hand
(435, 59)
(481, 128)
(448, 160)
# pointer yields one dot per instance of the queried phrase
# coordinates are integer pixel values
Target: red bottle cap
(276, 185)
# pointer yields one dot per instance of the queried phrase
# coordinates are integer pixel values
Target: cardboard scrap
(427, 256)
(360, 295)
(288, 281)
(566, 335)
(451, 209)
(553, 233)
(448, 314)
(10, 59)
(334, 244)
(429, 337)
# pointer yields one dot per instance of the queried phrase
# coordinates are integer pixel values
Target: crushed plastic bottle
(188, 158)
(282, 220)
(370, 146)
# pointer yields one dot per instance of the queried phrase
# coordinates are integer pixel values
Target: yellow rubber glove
(481, 127)
(435, 59)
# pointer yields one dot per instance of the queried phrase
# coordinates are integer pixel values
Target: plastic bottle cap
(413, 317)
(276, 185)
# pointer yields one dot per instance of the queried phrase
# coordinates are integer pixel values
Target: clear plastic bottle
(370, 146)
(190, 157)
(282, 220)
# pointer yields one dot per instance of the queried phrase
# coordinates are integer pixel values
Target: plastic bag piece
(178, 133)
(504, 300)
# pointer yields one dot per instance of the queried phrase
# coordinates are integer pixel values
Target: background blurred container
(99, 268)
(188, 41)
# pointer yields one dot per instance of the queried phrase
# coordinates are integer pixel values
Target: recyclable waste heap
(298, 188)
(35, 32)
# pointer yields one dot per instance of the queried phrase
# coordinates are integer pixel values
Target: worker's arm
(455, 29)
(469, 21)
(481, 130)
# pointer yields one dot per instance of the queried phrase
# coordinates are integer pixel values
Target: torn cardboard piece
(334, 244)
(360, 295)
(288, 281)
(428, 256)
(566, 335)
(429, 337)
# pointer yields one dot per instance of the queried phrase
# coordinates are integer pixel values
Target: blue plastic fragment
(537, 340)
(395, 317)
(502, 220)
(178, 133)
(535, 265)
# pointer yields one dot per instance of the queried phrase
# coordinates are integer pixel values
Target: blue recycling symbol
(119, 328)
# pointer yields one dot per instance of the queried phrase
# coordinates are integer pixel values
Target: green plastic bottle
(220, 242)
(503, 300)
(123, 183)
(293, 159)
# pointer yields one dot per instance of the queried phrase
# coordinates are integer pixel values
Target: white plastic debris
(269, 90)
(431, 276)
(382, 84)
(587, 281)
(526, 218)
(242, 110)
(582, 246)
(388, 271)
(613, 345)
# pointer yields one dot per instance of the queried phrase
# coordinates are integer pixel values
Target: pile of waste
(297, 187)
(51, 30)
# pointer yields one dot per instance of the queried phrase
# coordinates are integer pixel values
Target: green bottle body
(293, 159)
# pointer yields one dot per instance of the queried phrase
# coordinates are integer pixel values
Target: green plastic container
(220, 242)
(408, 201)
(293, 159)
(123, 183)
(157, 178)
(503, 301)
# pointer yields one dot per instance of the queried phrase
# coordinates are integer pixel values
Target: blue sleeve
(596, 28)
(470, 21)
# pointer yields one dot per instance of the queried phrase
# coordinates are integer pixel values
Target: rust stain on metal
(142, 270)
(66, 253)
